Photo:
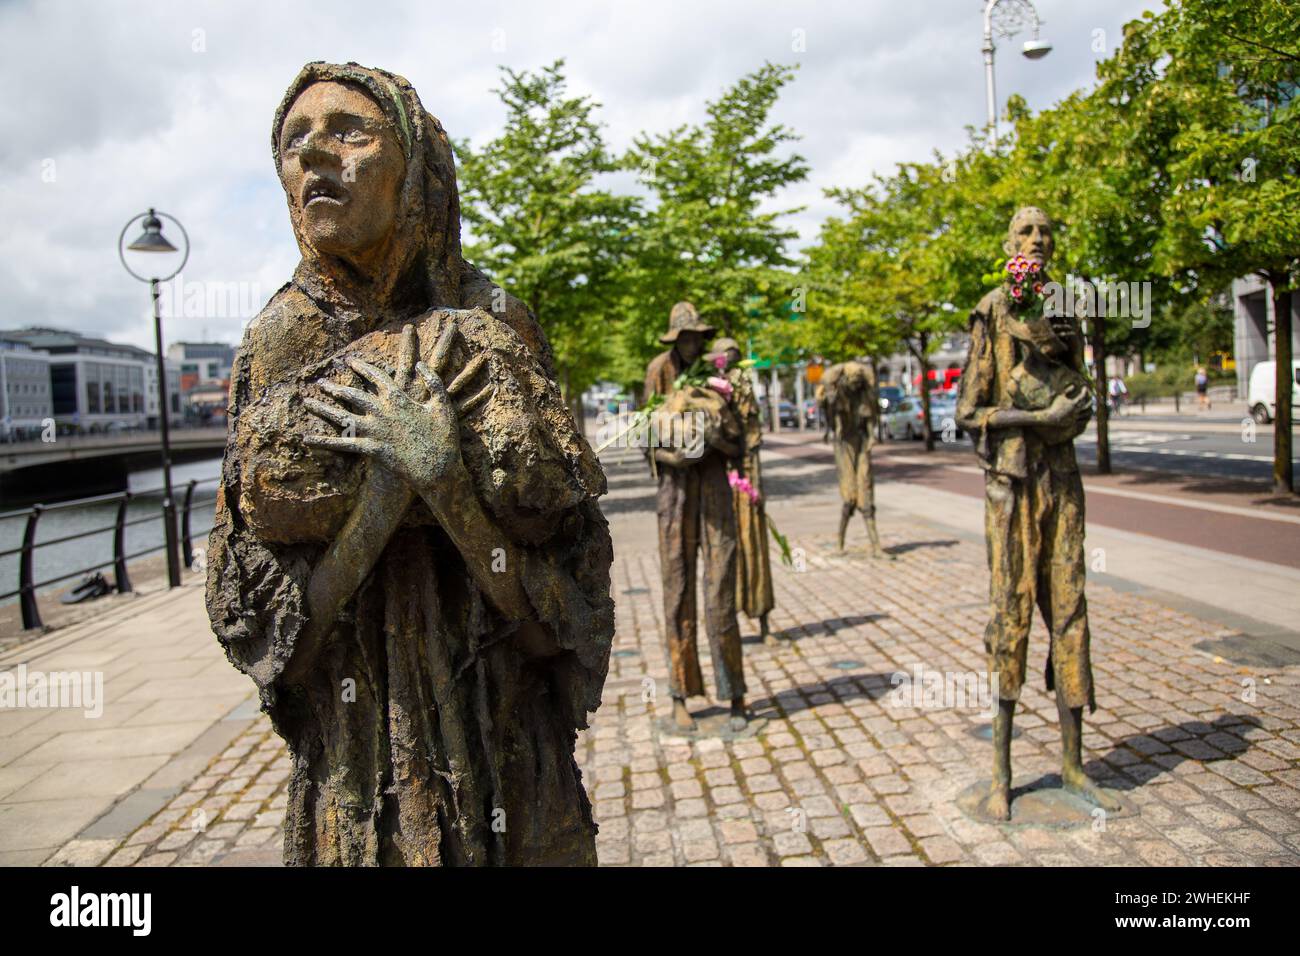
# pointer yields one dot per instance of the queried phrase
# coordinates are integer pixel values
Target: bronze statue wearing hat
(695, 511)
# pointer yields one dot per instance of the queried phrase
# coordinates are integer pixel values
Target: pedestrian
(1202, 389)
(1118, 394)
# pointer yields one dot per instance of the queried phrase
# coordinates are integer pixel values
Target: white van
(1261, 395)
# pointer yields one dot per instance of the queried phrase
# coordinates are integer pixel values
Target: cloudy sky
(114, 107)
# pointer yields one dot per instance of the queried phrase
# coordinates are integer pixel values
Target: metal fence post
(119, 547)
(31, 613)
(187, 545)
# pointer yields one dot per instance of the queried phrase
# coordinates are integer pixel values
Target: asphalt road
(1199, 448)
(1141, 507)
(1197, 454)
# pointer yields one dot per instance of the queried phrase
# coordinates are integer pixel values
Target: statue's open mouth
(321, 190)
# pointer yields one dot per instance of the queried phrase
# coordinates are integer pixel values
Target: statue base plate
(713, 723)
(1040, 803)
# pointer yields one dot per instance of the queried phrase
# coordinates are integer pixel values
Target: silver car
(905, 420)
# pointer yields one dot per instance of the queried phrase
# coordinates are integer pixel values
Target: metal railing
(27, 587)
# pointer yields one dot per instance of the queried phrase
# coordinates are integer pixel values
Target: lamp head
(151, 240)
(1036, 49)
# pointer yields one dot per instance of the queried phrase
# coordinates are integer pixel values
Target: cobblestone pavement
(1204, 751)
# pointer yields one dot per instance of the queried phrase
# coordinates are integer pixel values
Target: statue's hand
(1066, 406)
(419, 441)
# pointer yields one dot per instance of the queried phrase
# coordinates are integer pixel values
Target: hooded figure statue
(414, 574)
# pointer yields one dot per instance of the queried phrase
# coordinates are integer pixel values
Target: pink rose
(720, 362)
(721, 386)
(743, 485)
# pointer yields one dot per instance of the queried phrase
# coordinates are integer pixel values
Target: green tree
(706, 238)
(540, 226)
(894, 271)
(1219, 79)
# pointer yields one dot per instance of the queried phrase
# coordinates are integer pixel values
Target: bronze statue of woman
(408, 557)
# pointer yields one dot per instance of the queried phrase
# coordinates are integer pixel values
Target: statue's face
(733, 356)
(342, 166)
(689, 345)
(1031, 237)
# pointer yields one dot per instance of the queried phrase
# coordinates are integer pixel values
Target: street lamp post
(1007, 17)
(152, 240)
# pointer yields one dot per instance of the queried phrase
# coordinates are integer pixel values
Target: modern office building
(95, 385)
(177, 414)
(209, 362)
(1252, 340)
(204, 369)
(26, 401)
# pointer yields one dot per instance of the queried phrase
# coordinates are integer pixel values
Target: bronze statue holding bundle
(695, 512)
(408, 557)
(1024, 398)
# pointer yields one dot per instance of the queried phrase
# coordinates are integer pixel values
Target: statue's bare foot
(998, 803)
(739, 719)
(682, 717)
(1078, 783)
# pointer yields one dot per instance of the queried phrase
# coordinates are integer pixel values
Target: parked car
(890, 395)
(906, 419)
(1262, 393)
(811, 416)
(943, 413)
(789, 417)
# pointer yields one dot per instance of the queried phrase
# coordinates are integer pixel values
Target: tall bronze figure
(851, 404)
(407, 558)
(1024, 398)
(696, 514)
(754, 593)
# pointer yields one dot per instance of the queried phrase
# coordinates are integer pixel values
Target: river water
(59, 559)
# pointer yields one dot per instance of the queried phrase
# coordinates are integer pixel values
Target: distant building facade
(94, 385)
(26, 401)
(903, 370)
(204, 378)
(1251, 341)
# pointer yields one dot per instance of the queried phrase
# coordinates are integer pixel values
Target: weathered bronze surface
(1024, 398)
(695, 511)
(754, 593)
(851, 402)
(407, 556)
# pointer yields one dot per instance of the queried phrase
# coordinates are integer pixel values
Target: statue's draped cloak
(754, 594)
(1034, 506)
(420, 732)
(853, 407)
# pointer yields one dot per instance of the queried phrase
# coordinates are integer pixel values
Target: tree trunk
(573, 401)
(923, 340)
(1283, 478)
(1097, 335)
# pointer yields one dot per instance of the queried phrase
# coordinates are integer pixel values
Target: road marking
(1094, 489)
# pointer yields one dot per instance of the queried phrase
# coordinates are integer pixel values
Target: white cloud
(131, 115)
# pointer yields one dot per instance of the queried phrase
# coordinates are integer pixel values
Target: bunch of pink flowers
(743, 484)
(1024, 271)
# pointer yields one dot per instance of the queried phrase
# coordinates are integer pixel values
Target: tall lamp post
(151, 239)
(1007, 18)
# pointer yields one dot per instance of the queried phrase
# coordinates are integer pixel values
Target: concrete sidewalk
(1198, 727)
(170, 704)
